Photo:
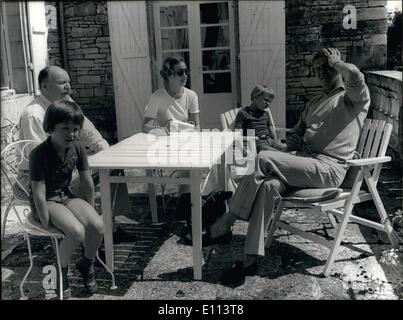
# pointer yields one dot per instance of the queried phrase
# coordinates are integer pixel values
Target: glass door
(201, 32)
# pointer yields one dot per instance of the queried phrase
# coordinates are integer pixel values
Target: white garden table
(194, 152)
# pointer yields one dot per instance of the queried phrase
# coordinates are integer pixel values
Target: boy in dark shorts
(51, 165)
(256, 118)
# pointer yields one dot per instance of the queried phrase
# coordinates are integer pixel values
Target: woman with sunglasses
(173, 102)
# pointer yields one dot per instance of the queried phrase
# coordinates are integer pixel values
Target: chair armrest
(283, 129)
(368, 161)
(250, 143)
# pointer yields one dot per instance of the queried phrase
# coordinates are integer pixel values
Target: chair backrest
(9, 132)
(374, 138)
(11, 156)
(373, 142)
(228, 119)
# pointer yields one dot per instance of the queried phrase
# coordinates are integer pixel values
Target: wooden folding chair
(371, 150)
(228, 123)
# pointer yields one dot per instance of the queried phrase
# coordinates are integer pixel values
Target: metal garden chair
(11, 157)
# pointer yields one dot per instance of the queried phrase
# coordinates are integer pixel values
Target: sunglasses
(181, 72)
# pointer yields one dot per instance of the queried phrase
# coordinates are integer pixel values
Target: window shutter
(38, 34)
(130, 63)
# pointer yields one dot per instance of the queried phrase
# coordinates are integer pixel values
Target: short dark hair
(43, 75)
(169, 64)
(62, 111)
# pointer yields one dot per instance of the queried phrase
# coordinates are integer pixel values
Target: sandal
(88, 276)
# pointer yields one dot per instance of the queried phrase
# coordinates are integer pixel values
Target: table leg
(222, 173)
(153, 198)
(195, 199)
(106, 204)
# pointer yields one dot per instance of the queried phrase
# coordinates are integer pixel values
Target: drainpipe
(62, 35)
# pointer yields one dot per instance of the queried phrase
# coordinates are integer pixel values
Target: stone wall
(312, 25)
(386, 104)
(88, 61)
(54, 44)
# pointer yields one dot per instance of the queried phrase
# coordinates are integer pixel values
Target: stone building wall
(312, 25)
(54, 45)
(89, 61)
(387, 104)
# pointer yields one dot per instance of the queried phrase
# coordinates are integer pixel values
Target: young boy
(51, 165)
(256, 118)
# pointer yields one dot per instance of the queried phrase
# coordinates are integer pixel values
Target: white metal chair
(371, 150)
(9, 132)
(11, 157)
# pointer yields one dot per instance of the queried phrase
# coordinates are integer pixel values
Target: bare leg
(93, 224)
(63, 219)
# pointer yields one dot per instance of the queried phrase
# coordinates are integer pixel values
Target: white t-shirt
(162, 107)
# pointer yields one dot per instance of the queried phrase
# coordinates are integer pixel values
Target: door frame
(195, 46)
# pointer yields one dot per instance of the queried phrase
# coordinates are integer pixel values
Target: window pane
(174, 39)
(173, 16)
(217, 82)
(216, 60)
(214, 12)
(215, 36)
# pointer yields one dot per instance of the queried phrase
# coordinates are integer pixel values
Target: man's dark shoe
(207, 240)
(121, 235)
(235, 276)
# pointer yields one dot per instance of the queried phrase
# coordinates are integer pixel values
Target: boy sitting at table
(51, 165)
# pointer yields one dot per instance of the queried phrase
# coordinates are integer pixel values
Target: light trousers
(258, 194)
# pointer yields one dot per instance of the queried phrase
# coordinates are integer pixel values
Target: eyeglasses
(181, 72)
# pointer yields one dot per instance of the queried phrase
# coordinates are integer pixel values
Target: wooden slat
(364, 135)
(385, 140)
(228, 119)
(377, 139)
(382, 149)
(370, 138)
(304, 234)
(363, 221)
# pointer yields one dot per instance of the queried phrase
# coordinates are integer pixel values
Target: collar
(256, 112)
(174, 95)
(44, 102)
(51, 148)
